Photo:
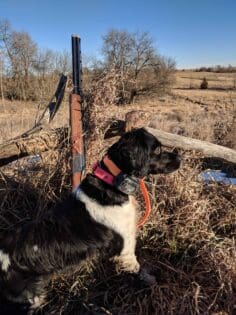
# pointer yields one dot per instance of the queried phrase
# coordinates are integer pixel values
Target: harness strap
(146, 198)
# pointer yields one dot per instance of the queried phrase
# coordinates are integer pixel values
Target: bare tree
(143, 52)
(5, 30)
(1, 74)
(30, 73)
(62, 62)
(134, 56)
(44, 63)
(117, 49)
(48, 67)
(22, 55)
(21, 52)
(5, 34)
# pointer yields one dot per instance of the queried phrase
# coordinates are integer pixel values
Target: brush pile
(188, 244)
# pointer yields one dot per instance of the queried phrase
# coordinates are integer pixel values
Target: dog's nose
(176, 158)
(175, 162)
(178, 161)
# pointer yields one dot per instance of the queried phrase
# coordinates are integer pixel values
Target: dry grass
(17, 117)
(219, 81)
(188, 244)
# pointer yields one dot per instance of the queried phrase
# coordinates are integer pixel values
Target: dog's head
(139, 153)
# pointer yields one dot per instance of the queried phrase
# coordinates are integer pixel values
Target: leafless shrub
(204, 84)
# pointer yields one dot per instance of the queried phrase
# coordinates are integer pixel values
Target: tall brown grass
(188, 244)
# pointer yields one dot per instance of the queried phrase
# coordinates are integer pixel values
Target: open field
(219, 81)
(197, 111)
(189, 242)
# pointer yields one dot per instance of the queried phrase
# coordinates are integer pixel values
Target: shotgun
(76, 119)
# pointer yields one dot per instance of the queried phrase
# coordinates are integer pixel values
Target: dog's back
(30, 252)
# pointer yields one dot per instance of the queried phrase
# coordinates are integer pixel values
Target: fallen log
(207, 148)
(54, 139)
(33, 144)
(142, 118)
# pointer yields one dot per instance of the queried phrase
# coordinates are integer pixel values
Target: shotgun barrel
(76, 64)
(77, 144)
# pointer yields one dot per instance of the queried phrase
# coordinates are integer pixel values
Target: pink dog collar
(115, 177)
(103, 175)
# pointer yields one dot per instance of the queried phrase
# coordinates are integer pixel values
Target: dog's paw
(127, 263)
(36, 303)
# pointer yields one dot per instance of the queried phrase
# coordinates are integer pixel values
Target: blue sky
(194, 32)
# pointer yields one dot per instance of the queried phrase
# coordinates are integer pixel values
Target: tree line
(30, 73)
(27, 72)
(217, 69)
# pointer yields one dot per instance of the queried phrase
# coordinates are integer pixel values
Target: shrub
(204, 84)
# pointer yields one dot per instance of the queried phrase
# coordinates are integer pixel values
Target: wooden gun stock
(77, 144)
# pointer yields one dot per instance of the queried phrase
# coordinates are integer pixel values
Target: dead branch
(34, 144)
(186, 143)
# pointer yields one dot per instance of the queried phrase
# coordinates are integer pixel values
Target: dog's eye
(158, 150)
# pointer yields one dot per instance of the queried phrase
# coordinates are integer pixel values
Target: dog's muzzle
(164, 163)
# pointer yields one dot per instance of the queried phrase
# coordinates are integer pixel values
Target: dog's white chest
(118, 218)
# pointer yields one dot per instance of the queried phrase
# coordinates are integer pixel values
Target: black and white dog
(85, 224)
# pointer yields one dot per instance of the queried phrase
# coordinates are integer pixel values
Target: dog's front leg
(127, 260)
